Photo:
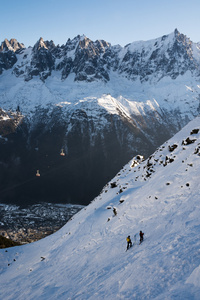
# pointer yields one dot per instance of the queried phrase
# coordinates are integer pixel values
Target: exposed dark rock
(194, 131)
(172, 148)
(7, 60)
(188, 141)
(113, 185)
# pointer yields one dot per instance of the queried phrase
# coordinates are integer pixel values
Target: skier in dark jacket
(141, 236)
(129, 243)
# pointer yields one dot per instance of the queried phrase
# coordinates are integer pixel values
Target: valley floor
(26, 225)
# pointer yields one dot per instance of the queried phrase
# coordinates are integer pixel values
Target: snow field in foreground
(87, 258)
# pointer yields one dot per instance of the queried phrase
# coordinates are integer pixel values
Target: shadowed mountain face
(91, 158)
(101, 104)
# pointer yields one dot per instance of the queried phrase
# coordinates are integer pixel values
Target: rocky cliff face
(99, 104)
(8, 54)
(171, 55)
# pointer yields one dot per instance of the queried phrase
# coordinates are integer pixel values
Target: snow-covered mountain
(86, 259)
(101, 104)
(171, 55)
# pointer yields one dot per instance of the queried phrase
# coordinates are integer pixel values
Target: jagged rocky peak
(170, 55)
(176, 32)
(40, 44)
(50, 45)
(182, 50)
(102, 43)
(182, 39)
(12, 45)
(70, 45)
(84, 42)
(180, 36)
(179, 44)
(42, 61)
(96, 47)
(164, 42)
(8, 55)
(82, 56)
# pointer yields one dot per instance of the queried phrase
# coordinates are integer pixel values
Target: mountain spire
(40, 44)
(12, 45)
(176, 32)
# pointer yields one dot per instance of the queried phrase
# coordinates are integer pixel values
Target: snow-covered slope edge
(86, 259)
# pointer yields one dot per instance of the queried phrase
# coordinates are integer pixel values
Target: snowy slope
(86, 259)
(181, 95)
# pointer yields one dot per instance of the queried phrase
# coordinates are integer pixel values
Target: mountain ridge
(92, 61)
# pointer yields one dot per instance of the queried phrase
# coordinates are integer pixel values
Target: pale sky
(116, 21)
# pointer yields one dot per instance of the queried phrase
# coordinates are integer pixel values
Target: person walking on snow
(141, 236)
(129, 243)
